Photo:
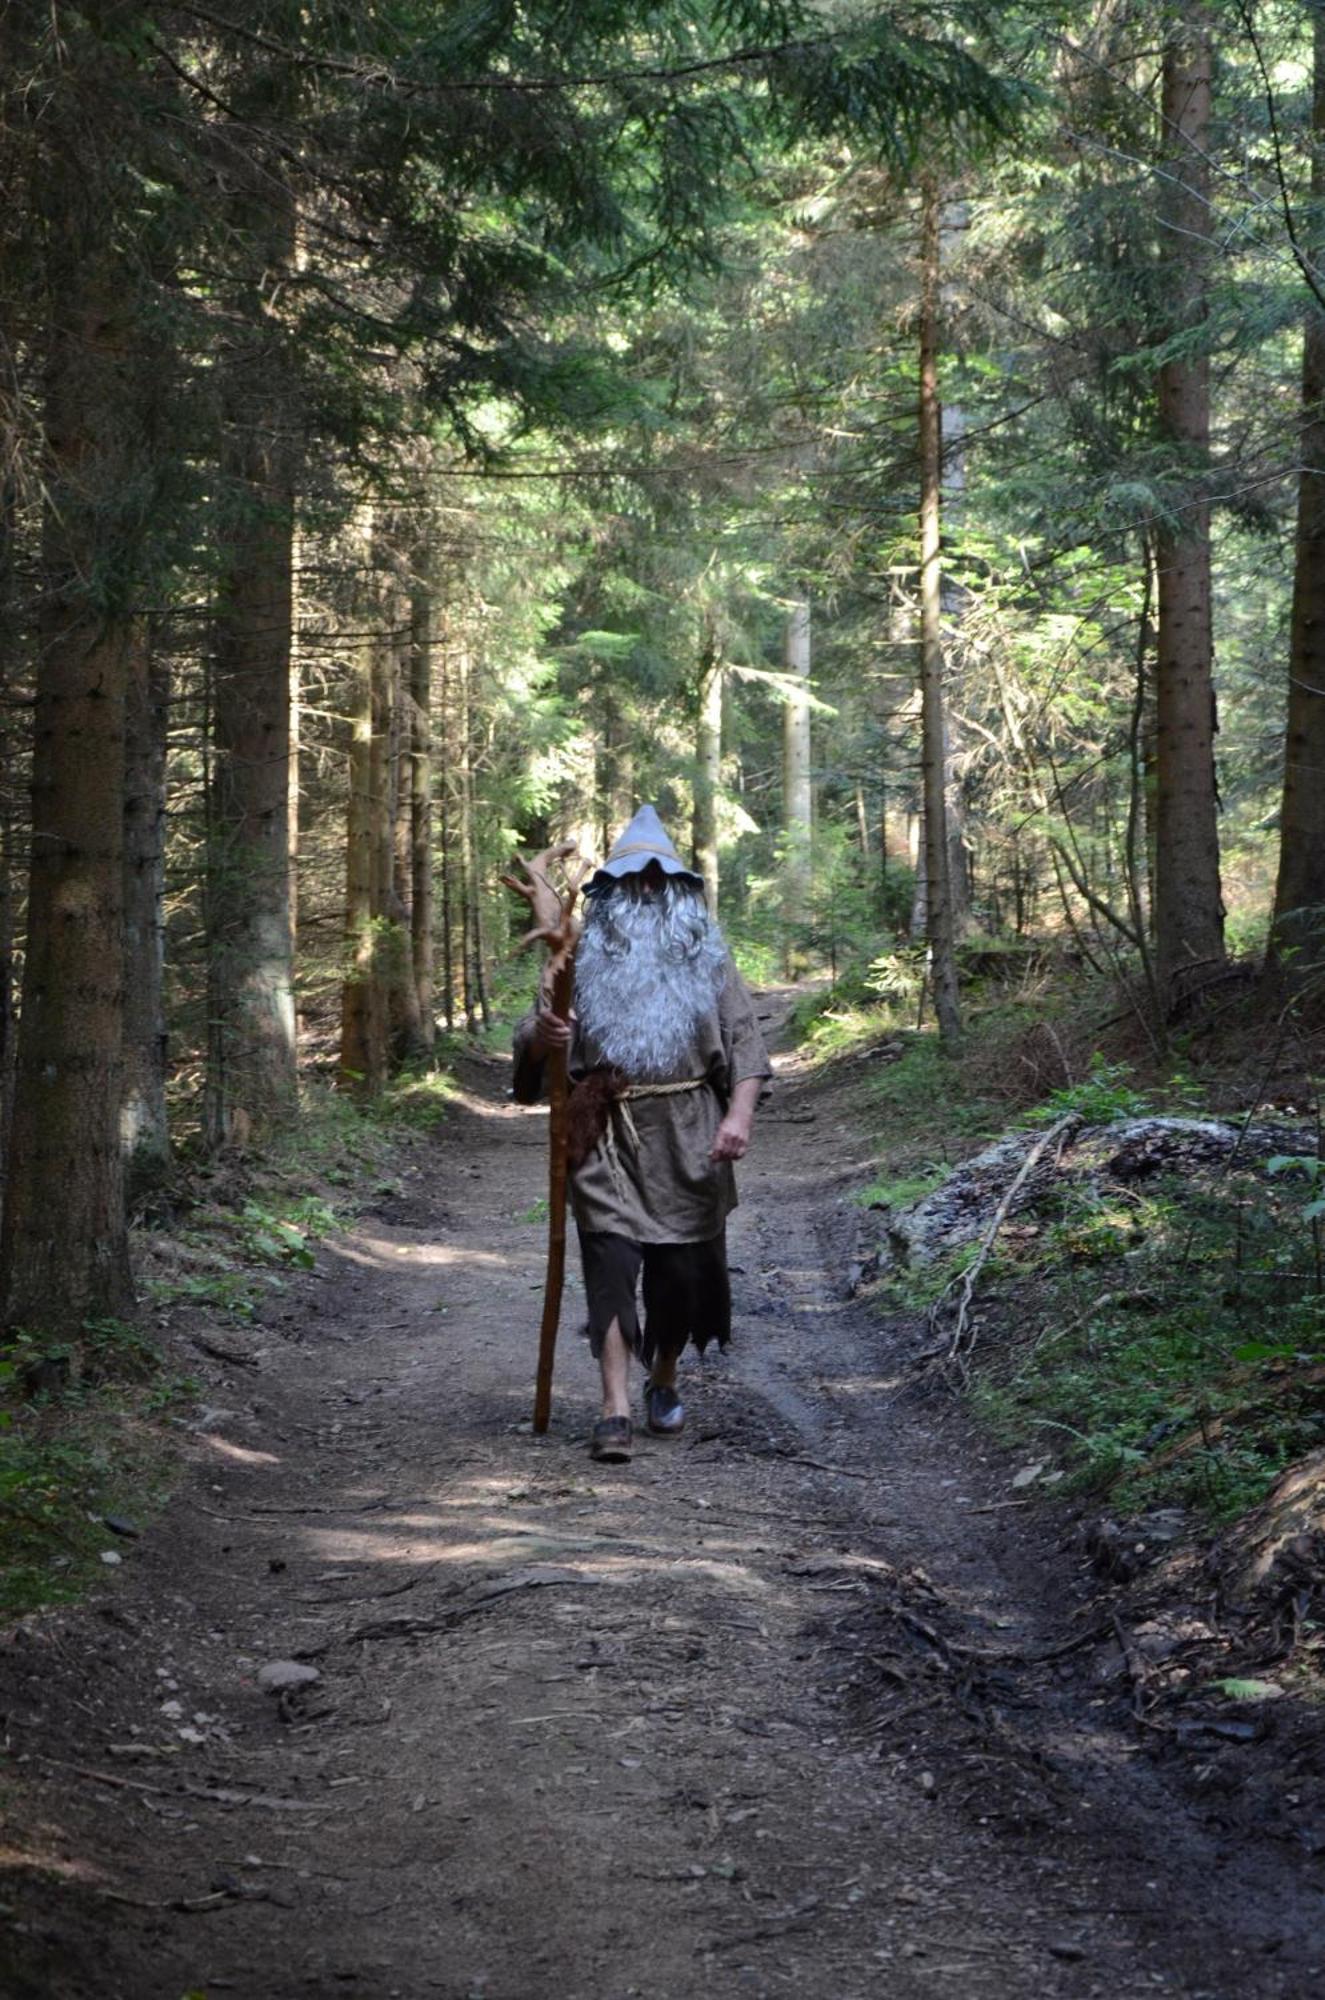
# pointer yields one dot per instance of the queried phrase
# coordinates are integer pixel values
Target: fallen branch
(959, 1346)
(403, 1627)
(219, 1794)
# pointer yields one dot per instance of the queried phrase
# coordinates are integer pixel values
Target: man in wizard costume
(667, 1065)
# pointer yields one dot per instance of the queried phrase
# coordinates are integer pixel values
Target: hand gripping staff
(556, 925)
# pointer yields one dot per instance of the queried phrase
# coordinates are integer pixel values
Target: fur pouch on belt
(591, 1102)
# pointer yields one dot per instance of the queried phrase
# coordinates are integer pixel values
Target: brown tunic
(652, 1180)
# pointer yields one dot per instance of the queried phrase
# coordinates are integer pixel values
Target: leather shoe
(664, 1411)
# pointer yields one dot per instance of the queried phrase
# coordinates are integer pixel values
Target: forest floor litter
(395, 1699)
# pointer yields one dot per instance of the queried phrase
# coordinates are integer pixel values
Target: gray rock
(1129, 1149)
(285, 1676)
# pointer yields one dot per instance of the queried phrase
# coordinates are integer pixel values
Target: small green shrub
(901, 1192)
(1104, 1097)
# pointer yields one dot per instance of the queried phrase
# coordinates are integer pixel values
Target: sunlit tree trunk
(420, 821)
(251, 1075)
(9, 782)
(1297, 943)
(363, 1029)
(446, 828)
(296, 734)
(938, 896)
(953, 220)
(407, 1042)
(476, 978)
(144, 1130)
(1189, 913)
(797, 780)
(708, 764)
(465, 844)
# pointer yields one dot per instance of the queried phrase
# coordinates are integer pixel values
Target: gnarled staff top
(553, 907)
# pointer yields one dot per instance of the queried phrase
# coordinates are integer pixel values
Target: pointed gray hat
(643, 841)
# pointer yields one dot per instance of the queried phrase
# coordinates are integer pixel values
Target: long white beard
(646, 973)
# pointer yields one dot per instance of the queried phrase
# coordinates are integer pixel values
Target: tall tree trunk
(407, 1044)
(938, 889)
(420, 821)
(144, 1130)
(465, 813)
(797, 783)
(1297, 938)
(251, 1073)
(296, 741)
(9, 781)
(708, 765)
(1189, 912)
(953, 220)
(363, 1026)
(446, 841)
(620, 799)
(476, 1003)
(65, 1162)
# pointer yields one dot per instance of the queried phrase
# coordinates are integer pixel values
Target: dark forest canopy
(888, 437)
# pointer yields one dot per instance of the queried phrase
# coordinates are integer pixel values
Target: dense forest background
(888, 437)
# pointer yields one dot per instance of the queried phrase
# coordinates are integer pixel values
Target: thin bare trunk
(251, 1073)
(1189, 912)
(469, 924)
(296, 792)
(363, 1015)
(9, 781)
(938, 894)
(144, 1130)
(420, 822)
(797, 788)
(708, 765)
(446, 844)
(407, 1043)
(1298, 933)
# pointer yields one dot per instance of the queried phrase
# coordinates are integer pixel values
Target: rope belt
(621, 1110)
(661, 1089)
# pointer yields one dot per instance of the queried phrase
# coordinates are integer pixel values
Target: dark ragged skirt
(687, 1293)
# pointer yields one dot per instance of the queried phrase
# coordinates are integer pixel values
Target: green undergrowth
(1158, 1343)
(82, 1441)
(86, 1427)
(1162, 1345)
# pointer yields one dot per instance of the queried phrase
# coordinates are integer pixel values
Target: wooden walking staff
(556, 925)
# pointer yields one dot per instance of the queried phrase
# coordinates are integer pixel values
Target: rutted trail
(775, 1708)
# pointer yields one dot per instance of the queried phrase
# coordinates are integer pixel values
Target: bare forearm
(733, 1135)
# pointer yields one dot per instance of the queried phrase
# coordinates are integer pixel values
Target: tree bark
(251, 1074)
(797, 783)
(144, 1129)
(65, 1162)
(938, 890)
(475, 981)
(9, 783)
(708, 765)
(1189, 912)
(363, 1031)
(446, 829)
(407, 1043)
(1297, 936)
(420, 822)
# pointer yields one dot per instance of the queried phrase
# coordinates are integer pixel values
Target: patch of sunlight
(376, 1251)
(69, 1868)
(246, 1456)
(488, 1107)
(866, 1385)
(593, 1561)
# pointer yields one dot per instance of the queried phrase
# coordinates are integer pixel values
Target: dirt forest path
(794, 1704)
